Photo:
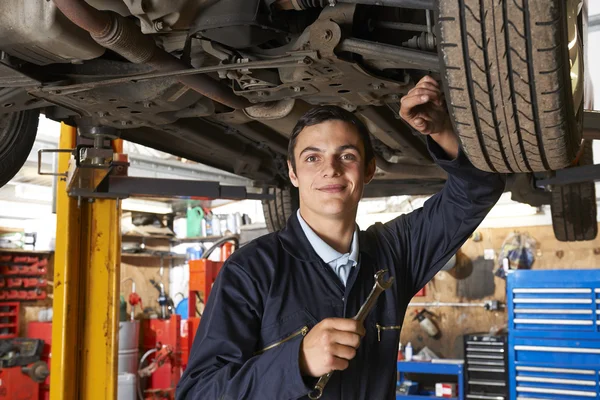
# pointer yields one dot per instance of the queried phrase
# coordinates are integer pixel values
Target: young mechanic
(279, 314)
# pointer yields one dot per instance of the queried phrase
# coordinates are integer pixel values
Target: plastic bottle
(408, 352)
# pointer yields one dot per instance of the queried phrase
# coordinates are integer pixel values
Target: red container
(159, 332)
(15, 385)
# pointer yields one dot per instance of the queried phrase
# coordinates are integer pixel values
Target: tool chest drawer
(555, 369)
(554, 334)
(486, 366)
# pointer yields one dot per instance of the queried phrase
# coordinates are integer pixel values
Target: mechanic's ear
(370, 172)
(292, 174)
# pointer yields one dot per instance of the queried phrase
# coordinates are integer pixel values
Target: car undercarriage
(223, 82)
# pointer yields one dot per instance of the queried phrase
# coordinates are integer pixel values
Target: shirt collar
(325, 251)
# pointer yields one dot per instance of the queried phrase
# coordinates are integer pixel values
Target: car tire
(278, 210)
(507, 79)
(17, 134)
(574, 207)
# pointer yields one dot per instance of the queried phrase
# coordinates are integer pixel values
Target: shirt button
(343, 298)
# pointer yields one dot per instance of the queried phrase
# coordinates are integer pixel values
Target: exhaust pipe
(122, 36)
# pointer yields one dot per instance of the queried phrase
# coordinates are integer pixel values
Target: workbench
(436, 368)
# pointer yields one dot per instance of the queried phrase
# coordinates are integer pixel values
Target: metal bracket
(584, 173)
(42, 151)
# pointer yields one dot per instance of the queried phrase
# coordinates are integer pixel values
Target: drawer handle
(556, 380)
(476, 350)
(557, 370)
(486, 369)
(534, 321)
(489, 383)
(558, 349)
(556, 391)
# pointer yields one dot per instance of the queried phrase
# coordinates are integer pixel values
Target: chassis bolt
(327, 35)
(297, 89)
(159, 25)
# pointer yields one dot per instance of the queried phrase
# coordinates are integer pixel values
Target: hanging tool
(162, 355)
(134, 298)
(166, 304)
(379, 287)
(426, 323)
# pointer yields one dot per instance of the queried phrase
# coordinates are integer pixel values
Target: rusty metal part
(329, 79)
(305, 4)
(273, 110)
(285, 125)
(408, 171)
(379, 287)
(282, 62)
(401, 26)
(395, 134)
(156, 15)
(414, 4)
(85, 16)
(124, 37)
(399, 56)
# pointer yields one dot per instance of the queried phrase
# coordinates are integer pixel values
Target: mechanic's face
(330, 169)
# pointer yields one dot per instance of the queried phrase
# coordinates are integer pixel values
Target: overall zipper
(302, 332)
(385, 328)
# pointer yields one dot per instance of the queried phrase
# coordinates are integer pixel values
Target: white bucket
(128, 361)
(129, 333)
(126, 389)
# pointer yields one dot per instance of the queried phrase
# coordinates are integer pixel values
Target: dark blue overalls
(273, 290)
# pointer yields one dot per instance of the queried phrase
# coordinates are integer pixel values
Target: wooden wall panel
(457, 321)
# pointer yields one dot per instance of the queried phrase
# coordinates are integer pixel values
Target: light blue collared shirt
(341, 264)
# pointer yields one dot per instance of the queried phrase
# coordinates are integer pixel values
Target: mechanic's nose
(332, 168)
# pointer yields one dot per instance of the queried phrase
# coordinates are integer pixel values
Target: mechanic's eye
(311, 159)
(348, 157)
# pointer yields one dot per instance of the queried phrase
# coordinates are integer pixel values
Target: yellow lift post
(86, 292)
(88, 257)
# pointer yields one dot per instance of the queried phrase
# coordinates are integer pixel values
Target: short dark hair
(322, 114)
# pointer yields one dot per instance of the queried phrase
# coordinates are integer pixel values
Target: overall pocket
(292, 326)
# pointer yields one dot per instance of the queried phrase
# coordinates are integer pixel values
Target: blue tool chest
(554, 334)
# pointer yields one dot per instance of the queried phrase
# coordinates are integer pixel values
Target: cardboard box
(445, 390)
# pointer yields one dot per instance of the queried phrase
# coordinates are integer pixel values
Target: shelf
(177, 240)
(426, 367)
(164, 257)
(142, 237)
(21, 251)
(201, 239)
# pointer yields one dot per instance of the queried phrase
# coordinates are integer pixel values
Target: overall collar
(295, 242)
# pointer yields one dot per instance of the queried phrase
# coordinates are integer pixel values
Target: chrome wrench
(379, 287)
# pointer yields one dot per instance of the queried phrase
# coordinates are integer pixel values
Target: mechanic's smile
(332, 188)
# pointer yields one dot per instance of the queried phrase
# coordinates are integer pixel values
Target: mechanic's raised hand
(330, 346)
(424, 109)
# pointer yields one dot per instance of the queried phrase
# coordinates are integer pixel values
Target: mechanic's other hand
(424, 109)
(330, 346)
